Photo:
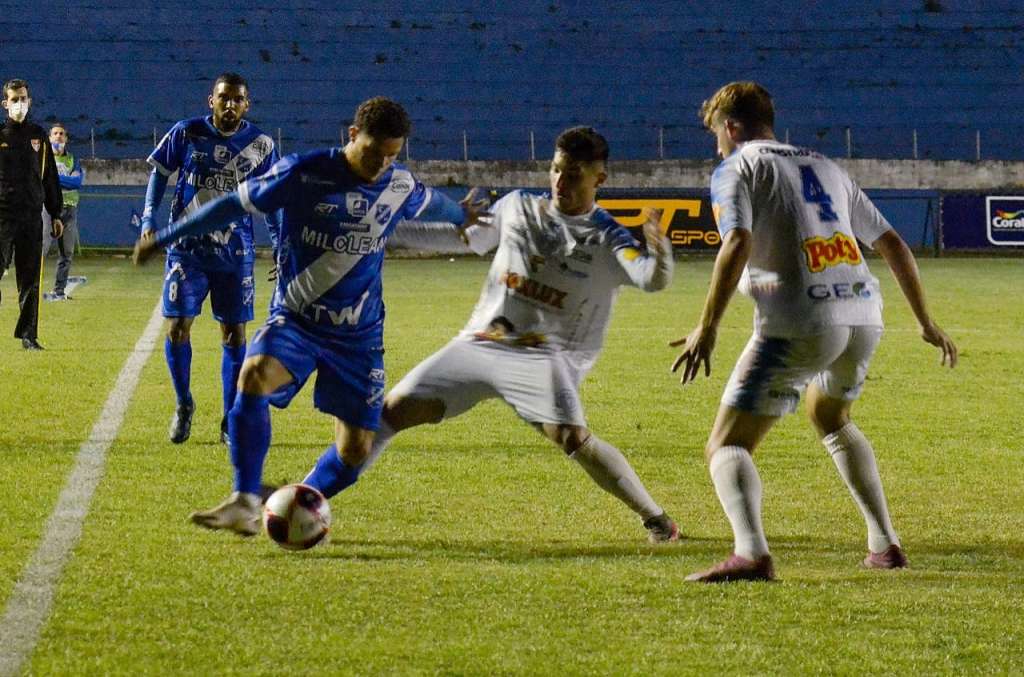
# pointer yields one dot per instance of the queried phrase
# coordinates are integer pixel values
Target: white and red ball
(297, 517)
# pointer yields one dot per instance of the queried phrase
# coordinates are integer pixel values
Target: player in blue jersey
(338, 208)
(212, 155)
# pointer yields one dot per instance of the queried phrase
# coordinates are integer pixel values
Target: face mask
(57, 147)
(18, 110)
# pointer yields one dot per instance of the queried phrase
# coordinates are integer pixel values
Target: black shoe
(181, 424)
(224, 430)
(267, 490)
(31, 344)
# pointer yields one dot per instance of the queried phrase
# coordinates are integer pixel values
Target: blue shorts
(186, 284)
(349, 376)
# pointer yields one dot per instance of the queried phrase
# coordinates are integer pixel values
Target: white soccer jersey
(554, 278)
(806, 271)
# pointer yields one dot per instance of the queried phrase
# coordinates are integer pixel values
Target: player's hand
(932, 334)
(56, 228)
(473, 208)
(653, 235)
(697, 348)
(145, 247)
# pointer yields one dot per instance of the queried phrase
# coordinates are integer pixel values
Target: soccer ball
(297, 517)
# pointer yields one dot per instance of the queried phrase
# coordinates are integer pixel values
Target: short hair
(382, 118)
(15, 83)
(747, 102)
(583, 144)
(59, 124)
(232, 80)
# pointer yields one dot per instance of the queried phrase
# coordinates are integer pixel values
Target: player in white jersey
(538, 326)
(790, 221)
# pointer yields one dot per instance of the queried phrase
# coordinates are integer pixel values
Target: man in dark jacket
(28, 182)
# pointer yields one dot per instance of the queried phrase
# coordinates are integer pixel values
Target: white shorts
(542, 386)
(772, 372)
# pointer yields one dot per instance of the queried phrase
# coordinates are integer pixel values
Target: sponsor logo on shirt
(221, 155)
(325, 209)
(346, 243)
(822, 253)
(198, 157)
(348, 315)
(1005, 217)
(356, 204)
(839, 290)
(534, 290)
(401, 186)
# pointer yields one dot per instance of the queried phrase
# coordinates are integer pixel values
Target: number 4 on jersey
(815, 193)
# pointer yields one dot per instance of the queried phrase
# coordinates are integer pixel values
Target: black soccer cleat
(661, 529)
(181, 423)
(31, 344)
(224, 430)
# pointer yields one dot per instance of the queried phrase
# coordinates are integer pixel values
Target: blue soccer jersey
(333, 230)
(211, 164)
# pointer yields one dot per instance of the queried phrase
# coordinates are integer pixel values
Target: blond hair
(746, 102)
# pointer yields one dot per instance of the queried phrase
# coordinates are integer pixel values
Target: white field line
(30, 602)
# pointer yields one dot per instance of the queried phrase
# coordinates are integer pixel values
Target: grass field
(477, 548)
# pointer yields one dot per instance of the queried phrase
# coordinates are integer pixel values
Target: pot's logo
(1004, 217)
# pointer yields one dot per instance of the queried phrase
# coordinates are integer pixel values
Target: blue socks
(249, 436)
(230, 366)
(179, 363)
(332, 475)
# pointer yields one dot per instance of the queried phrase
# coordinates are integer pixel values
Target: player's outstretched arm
(901, 262)
(154, 196)
(700, 343)
(208, 218)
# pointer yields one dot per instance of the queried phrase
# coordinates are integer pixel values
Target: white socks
(739, 489)
(611, 471)
(380, 442)
(855, 460)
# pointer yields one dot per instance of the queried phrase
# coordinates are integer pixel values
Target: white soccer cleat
(240, 514)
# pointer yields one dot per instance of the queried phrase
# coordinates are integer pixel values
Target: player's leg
(830, 398)
(444, 385)
(231, 302)
(232, 357)
(281, 358)
(185, 289)
(28, 253)
(610, 470)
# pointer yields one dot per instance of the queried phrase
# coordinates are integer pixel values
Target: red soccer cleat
(737, 568)
(890, 558)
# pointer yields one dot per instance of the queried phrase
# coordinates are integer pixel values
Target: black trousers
(21, 243)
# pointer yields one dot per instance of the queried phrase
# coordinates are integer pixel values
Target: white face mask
(18, 110)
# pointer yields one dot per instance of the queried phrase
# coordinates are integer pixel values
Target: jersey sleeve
(427, 204)
(273, 190)
(730, 198)
(647, 267)
(867, 222)
(166, 158)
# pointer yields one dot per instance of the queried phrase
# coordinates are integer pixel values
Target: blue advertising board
(980, 221)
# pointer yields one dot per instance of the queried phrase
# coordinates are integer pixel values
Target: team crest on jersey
(382, 214)
(824, 253)
(356, 205)
(36, 145)
(221, 155)
(243, 164)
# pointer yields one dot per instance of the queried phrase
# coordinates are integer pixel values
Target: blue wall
(498, 70)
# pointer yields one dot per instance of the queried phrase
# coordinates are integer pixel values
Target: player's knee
(233, 335)
(257, 376)
(403, 412)
(568, 437)
(355, 451)
(179, 332)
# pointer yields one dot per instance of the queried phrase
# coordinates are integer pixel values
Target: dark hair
(747, 102)
(15, 83)
(382, 118)
(231, 80)
(583, 144)
(57, 124)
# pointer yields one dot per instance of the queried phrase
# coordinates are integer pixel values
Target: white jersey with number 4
(806, 271)
(554, 278)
